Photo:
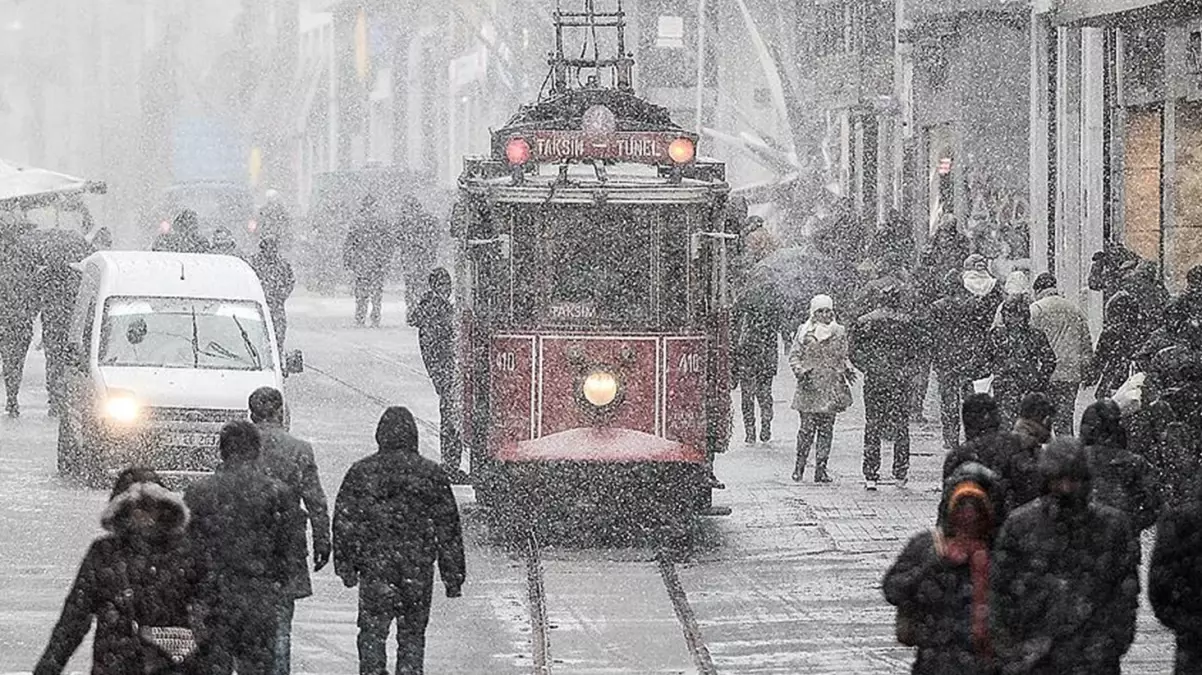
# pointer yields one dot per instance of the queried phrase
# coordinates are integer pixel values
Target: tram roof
(699, 183)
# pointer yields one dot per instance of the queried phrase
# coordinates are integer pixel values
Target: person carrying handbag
(140, 582)
(819, 360)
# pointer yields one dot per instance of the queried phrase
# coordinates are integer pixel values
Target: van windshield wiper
(250, 347)
(195, 341)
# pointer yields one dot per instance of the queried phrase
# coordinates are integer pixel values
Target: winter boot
(820, 475)
(799, 473)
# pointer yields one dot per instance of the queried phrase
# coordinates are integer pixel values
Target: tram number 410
(691, 364)
(506, 361)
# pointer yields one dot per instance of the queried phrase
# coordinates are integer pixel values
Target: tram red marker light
(252, 225)
(164, 227)
(517, 151)
(682, 150)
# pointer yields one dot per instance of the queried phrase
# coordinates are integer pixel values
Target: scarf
(974, 552)
(978, 283)
(821, 331)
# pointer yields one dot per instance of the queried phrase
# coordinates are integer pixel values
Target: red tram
(592, 274)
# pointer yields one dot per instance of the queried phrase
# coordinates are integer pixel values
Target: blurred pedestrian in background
(885, 343)
(1067, 329)
(757, 320)
(1065, 577)
(223, 243)
(56, 284)
(1032, 430)
(395, 516)
(141, 583)
(275, 275)
(274, 221)
(1175, 581)
(367, 253)
(955, 354)
(819, 360)
(18, 306)
(435, 321)
(940, 582)
(1123, 333)
(290, 461)
(183, 236)
(1020, 358)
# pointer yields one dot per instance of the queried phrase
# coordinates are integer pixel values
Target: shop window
(1141, 182)
(1143, 65)
(1183, 244)
(670, 32)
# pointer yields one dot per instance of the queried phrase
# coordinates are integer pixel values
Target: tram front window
(598, 267)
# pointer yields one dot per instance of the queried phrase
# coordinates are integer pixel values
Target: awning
(23, 183)
(1109, 12)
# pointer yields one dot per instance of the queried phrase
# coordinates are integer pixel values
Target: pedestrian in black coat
(757, 323)
(275, 275)
(184, 236)
(885, 344)
(1123, 333)
(1121, 479)
(367, 253)
(143, 572)
(57, 286)
(945, 252)
(940, 582)
(1032, 430)
(1065, 576)
(435, 322)
(244, 522)
(1175, 581)
(955, 355)
(290, 461)
(394, 517)
(1020, 358)
(18, 306)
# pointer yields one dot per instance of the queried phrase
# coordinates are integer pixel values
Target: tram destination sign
(647, 147)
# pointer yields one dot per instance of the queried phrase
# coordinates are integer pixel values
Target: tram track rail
(536, 595)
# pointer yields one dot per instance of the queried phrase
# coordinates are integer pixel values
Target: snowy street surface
(789, 583)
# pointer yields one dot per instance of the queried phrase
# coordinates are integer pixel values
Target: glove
(321, 555)
(350, 579)
(454, 591)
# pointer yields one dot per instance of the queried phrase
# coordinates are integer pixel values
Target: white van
(164, 349)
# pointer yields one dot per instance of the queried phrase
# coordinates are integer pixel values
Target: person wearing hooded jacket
(1123, 333)
(1121, 479)
(394, 517)
(1065, 576)
(1067, 330)
(818, 359)
(940, 582)
(985, 296)
(954, 358)
(1032, 430)
(1020, 358)
(143, 571)
(1175, 581)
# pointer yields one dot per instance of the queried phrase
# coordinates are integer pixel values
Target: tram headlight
(517, 151)
(121, 407)
(682, 150)
(600, 388)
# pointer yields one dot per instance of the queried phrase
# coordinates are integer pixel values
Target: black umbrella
(55, 246)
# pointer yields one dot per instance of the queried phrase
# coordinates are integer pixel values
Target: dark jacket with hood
(1024, 484)
(1065, 578)
(396, 515)
(958, 349)
(1121, 479)
(1019, 357)
(886, 342)
(131, 574)
(434, 318)
(1123, 333)
(985, 444)
(1175, 579)
(934, 595)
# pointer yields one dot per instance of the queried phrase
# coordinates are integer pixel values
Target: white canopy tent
(22, 183)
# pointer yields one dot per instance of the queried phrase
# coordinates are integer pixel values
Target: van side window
(87, 325)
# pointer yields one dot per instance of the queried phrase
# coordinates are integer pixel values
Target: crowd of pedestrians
(206, 583)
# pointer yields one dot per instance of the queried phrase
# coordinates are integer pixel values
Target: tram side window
(598, 265)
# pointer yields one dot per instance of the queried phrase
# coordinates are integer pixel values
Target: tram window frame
(668, 230)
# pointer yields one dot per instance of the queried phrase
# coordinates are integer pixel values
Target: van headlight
(600, 388)
(121, 407)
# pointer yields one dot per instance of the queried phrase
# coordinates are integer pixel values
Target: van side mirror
(294, 362)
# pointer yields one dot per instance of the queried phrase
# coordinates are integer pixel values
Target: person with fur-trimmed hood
(940, 582)
(141, 573)
(394, 518)
(1065, 576)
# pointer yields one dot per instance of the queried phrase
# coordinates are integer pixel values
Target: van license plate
(190, 439)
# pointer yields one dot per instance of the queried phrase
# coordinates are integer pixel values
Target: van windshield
(184, 333)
